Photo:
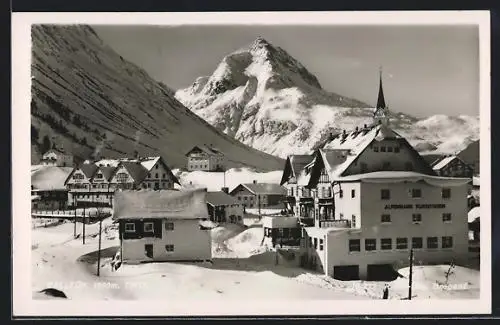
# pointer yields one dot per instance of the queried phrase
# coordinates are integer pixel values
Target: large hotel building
(367, 197)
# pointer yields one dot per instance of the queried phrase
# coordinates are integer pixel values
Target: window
(386, 243)
(416, 218)
(315, 243)
(370, 244)
(446, 193)
(385, 218)
(447, 242)
(148, 227)
(446, 217)
(163, 176)
(281, 232)
(169, 248)
(245, 198)
(156, 175)
(354, 245)
(130, 227)
(169, 226)
(353, 221)
(416, 242)
(389, 149)
(310, 241)
(402, 243)
(149, 175)
(341, 194)
(375, 148)
(385, 194)
(432, 242)
(341, 216)
(353, 193)
(396, 149)
(382, 149)
(321, 244)
(416, 193)
(239, 198)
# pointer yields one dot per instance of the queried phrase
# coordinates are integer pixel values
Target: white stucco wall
(401, 225)
(279, 222)
(190, 243)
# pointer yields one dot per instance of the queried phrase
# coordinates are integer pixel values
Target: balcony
(335, 224)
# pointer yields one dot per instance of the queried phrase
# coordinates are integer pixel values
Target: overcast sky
(427, 69)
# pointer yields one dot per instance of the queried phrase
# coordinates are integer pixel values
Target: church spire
(380, 114)
(381, 99)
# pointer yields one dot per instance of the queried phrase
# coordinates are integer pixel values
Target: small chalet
(222, 207)
(260, 195)
(452, 166)
(165, 225)
(56, 157)
(281, 230)
(47, 188)
(206, 158)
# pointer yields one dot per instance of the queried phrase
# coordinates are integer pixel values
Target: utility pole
(411, 274)
(83, 225)
(99, 250)
(74, 223)
(258, 200)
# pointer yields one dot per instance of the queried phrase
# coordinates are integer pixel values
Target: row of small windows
(401, 243)
(313, 242)
(156, 175)
(147, 227)
(385, 194)
(200, 166)
(386, 149)
(416, 218)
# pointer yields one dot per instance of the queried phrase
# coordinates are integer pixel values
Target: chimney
(331, 136)
(344, 133)
(225, 190)
(255, 181)
(357, 129)
(365, 126)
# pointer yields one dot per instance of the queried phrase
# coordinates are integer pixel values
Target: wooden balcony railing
(335, 224)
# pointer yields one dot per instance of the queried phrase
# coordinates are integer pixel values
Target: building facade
(55, 157)
(281, 230)
(205, 158)
(222, 208)
(163, 225)
(53, 199)
(452, 166)
(94, 184)
(260, 195)
(375, 199)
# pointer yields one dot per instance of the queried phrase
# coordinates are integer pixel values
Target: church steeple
(381, 99)
(381, 111)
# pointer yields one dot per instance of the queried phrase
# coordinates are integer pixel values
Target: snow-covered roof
(473, 214)
(208, 149)
(50, 177)
(321, 232)
(265, 188)
(35, 197)
(475, 181)
(343, 149)
(404, 176)
(220, 198)
(160, 204)
(149, 162)
(443, 162)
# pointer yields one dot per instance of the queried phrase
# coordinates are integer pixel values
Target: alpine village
(364, 207)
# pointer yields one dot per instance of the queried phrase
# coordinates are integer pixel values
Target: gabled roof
(160, 204)
(294, 165)
(88, 169)
(55, 150)
(135, 170)
(108, 172)
(220, 198)
(339, 154)
(262, 188)
(445, 161)
(210, 150)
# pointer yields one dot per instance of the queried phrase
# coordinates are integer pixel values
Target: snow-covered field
(214, 181)
(241, 269)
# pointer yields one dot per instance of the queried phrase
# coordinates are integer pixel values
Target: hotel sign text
(414, 206)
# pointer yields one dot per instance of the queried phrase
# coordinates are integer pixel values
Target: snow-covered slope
(265, 98)
(91, 101)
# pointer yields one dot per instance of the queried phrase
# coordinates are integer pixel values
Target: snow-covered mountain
(91, 101)
(265, 98)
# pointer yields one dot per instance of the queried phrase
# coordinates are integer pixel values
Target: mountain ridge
(262, 96)
(92, 102)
